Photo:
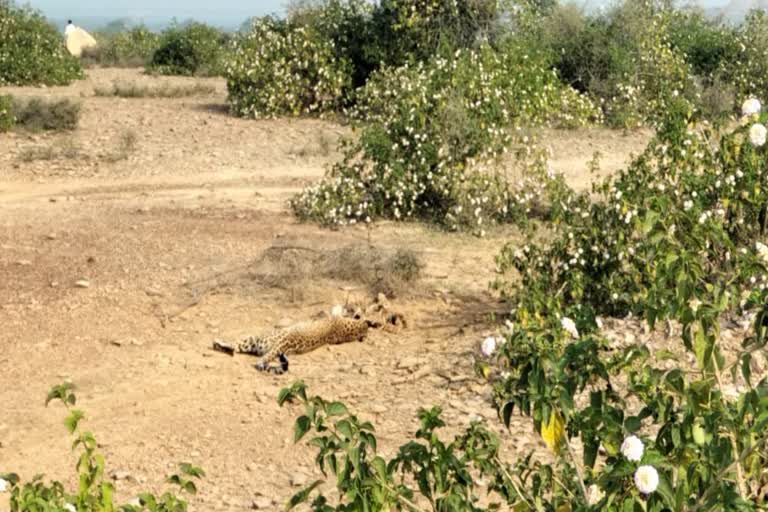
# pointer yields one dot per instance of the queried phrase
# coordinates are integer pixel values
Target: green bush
(425, 468)
(748, 69)
(706, 44)
(129, 48)
(195, 49)
(403, 30)
(280, 69)
(676, 236)
(347, 25)
(430, 135)
(7, 118)
(94, 494)
(40, 114)
(31, 49)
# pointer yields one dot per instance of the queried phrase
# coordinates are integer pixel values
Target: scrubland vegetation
(446, 97)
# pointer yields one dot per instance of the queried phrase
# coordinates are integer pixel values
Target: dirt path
(166, 239)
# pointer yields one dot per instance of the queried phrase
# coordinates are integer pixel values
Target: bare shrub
(379, 270)
(164, 90)
(37, 114)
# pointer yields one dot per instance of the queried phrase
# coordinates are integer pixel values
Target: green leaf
(284, 395)
(303, 424)
(61, 392)
(192, 470)
(632, 424)
(336, 409)
(506, 412)
(345, 428)
(746, 370)
(73, 420)
(302, 496)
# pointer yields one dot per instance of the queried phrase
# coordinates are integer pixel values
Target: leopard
(345, 326)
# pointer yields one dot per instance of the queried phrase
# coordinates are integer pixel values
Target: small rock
(153, 292)
(409, 363)
(82, 283)
(24, 263)
(379, 409)
(252, 467)
(51, 237)
(262, 502)
(299, 479)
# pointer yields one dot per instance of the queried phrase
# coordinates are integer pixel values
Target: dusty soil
(165, 236)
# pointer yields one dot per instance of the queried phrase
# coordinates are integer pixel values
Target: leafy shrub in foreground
(94, 494)
(678, 235)
(7, 119)
(195, 49)
(431, 134)
(424, 469)
(31, 49)
(279, 69)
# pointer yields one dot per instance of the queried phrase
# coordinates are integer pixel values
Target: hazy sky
(159, 8)
(182, 9)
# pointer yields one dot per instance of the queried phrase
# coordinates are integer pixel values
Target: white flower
(646, 479)
(570, 326)
(632, 448)
(3, 485)
(750, 106)
(594, 495)
(757, 134)
(488, 347)
(69, 507)
(762, 251)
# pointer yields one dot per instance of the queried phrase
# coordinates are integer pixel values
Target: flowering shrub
(280, 69)
(658, 79)
(403, 30)
(683, 196)
(348, 25)
(748, 68)
(675, 236)
(31, 50)
(431, 134)
(7, 119)
(425, 469)
(94, 494)
(195, 49)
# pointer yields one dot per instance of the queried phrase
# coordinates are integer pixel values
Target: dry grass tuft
(163, 90)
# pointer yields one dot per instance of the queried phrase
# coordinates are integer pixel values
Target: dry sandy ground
(166, 238)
